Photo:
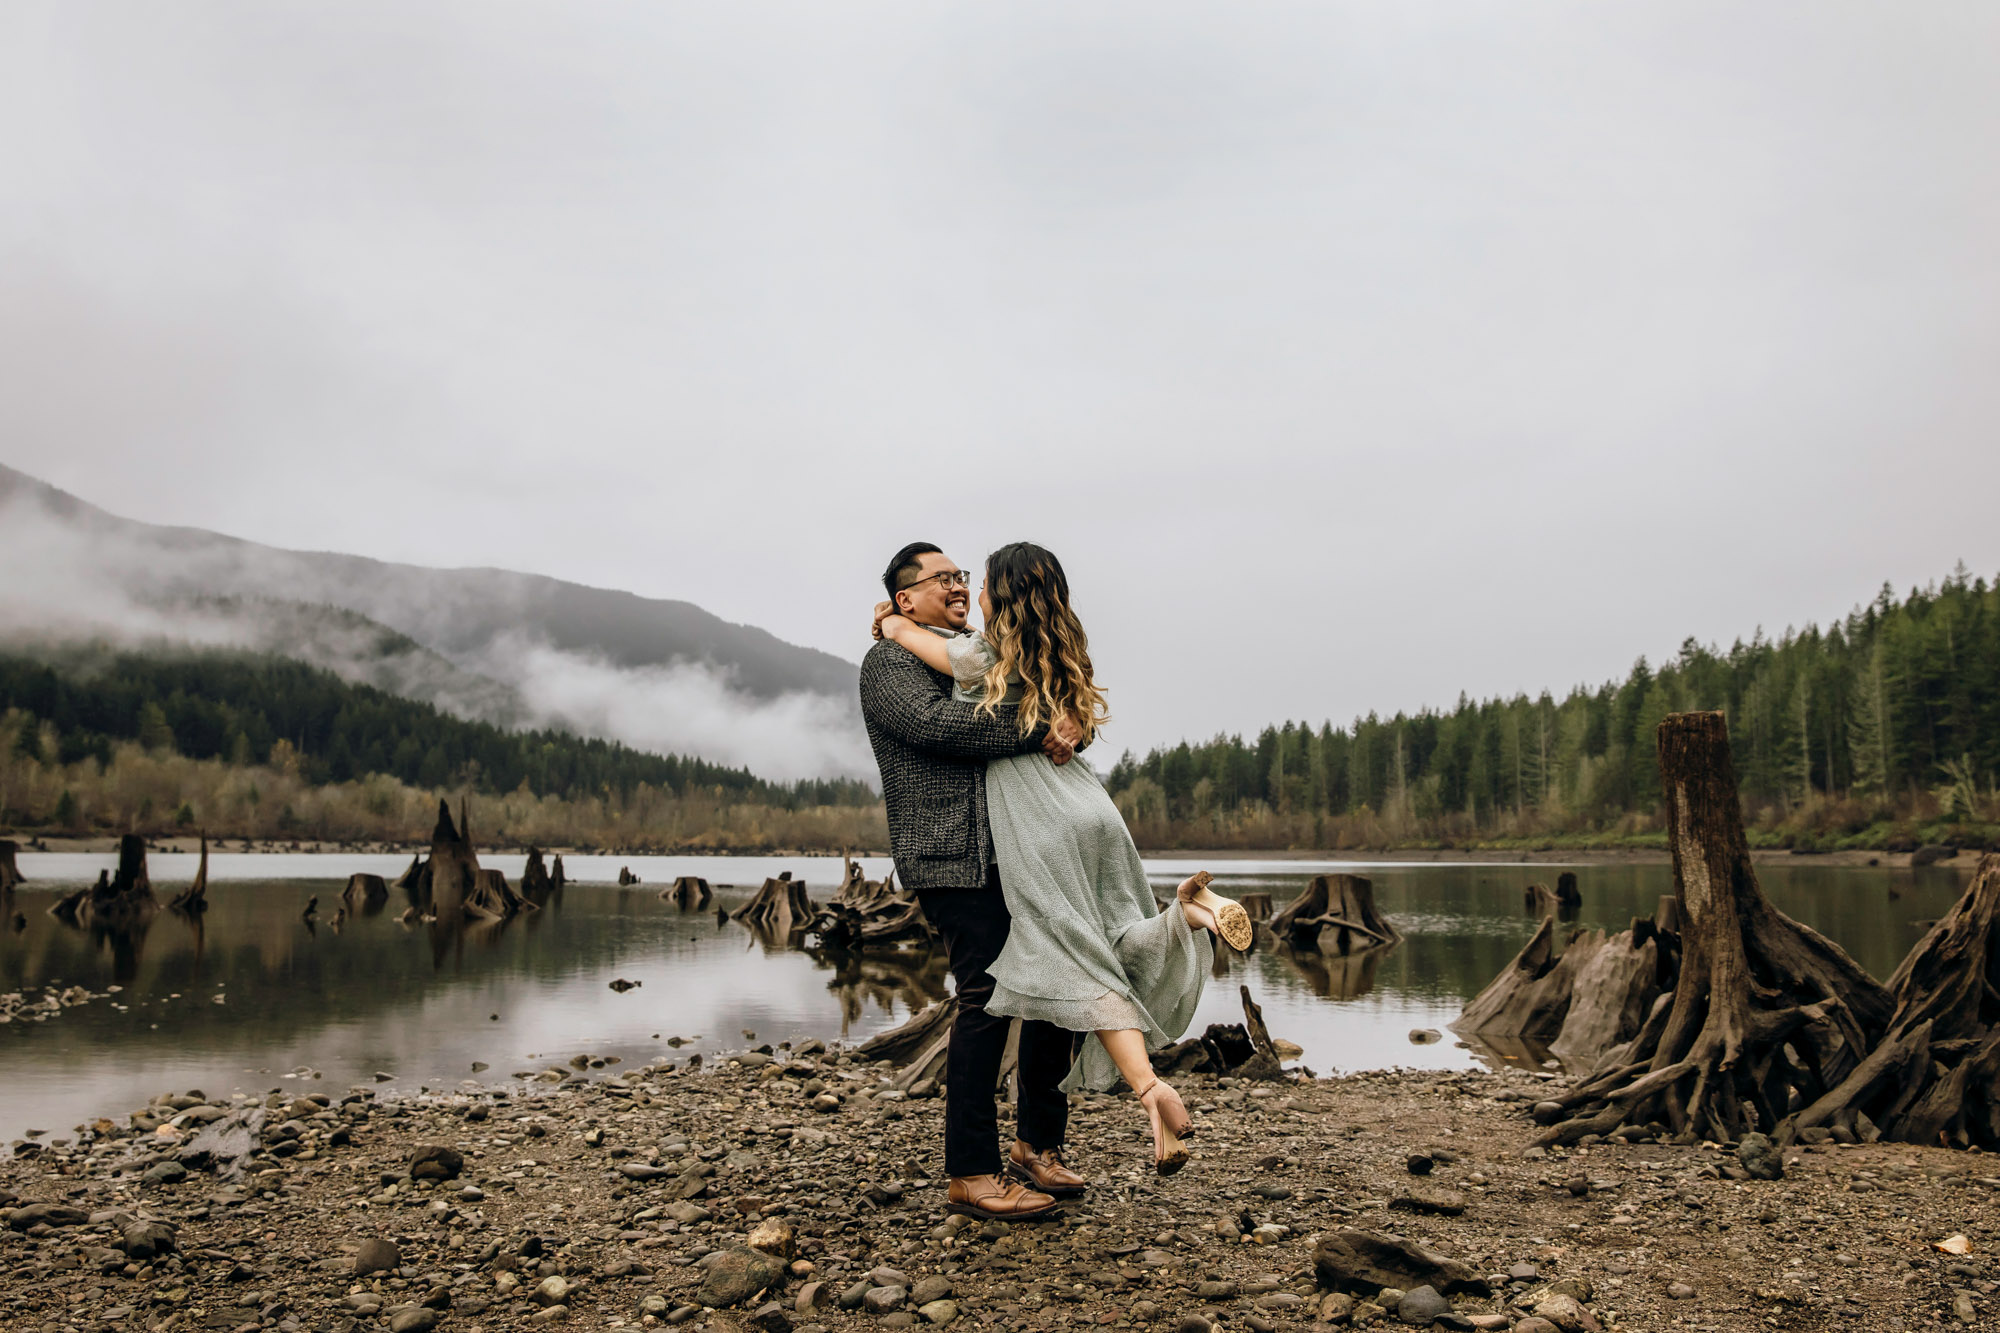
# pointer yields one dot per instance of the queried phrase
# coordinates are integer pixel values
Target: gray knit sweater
(932, 752)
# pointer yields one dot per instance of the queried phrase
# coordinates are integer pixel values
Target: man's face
(930, 600)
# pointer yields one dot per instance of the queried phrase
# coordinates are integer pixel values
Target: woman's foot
(1206, 909)
(1170, 1121)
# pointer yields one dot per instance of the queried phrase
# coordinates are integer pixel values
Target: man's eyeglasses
(944, 578)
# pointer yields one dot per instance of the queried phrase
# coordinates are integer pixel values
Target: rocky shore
(788, 1189)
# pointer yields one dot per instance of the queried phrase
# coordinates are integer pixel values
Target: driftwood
(626, 879)
(537, 885)
(781, 907)
(193, 900)
(10, 875)
(905, 1042)
(865, 912)
(1238, 1050)
(1336, 914)
(364, 893)
(1765, 1013)
(688, 892)
(1258, 905)
(1935, 1077)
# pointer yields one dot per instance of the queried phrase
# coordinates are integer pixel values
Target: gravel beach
(785, 1189)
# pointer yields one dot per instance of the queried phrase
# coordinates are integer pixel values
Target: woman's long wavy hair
(1035, 635)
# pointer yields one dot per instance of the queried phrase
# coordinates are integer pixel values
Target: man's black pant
(974, 924)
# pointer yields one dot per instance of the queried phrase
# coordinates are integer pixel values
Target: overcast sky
(1349, 355)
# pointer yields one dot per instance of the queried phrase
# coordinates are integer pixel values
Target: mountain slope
(476, 617)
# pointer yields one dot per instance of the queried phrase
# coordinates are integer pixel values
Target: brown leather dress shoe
(992, 1199)
(1044, 1171)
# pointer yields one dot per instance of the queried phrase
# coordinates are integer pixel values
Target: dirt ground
(607, 1198)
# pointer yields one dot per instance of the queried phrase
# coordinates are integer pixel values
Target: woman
(1088, 950)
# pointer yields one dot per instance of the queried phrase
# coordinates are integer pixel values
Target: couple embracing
(1023, 865)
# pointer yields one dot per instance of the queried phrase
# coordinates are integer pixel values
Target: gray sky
(1350, 355)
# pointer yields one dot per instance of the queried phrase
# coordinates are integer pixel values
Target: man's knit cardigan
(932, 751)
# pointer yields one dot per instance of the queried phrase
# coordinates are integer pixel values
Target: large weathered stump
(1531, 995)
(1935, 1078)
(493, 898)
(1336, 914)
(866, 912)
(781, 907)
(193, 900)
(415, 881)
(1765, 1014)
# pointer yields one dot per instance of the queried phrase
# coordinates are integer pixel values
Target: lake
(250, 997)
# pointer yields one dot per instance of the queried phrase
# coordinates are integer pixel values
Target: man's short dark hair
(907, 561)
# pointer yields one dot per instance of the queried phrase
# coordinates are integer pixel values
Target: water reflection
(376, 990)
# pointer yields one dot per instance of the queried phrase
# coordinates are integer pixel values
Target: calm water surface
(251, 995)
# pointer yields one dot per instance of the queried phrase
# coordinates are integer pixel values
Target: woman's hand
(889, 622)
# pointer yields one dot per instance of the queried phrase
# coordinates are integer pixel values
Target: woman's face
(985, 604)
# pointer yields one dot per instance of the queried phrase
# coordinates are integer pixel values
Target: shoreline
(601, 1194)
(1965, 859)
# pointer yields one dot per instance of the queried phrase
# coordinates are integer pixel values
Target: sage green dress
(1089, 948)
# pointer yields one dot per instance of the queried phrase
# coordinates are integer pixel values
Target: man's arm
(899, 695)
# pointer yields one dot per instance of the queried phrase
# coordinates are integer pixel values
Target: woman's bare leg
(1164, 1109)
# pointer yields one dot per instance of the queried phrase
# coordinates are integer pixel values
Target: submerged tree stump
(688, 892)
(781, 907)
(453, 869)
(1561, 901)
(193, 900)
(537, 885)
(417, 879)
(1258, 905)
(364, 893)
(626, 879)
(1935, 1078)
(865, 912)
(556, 875)
(1336, 914)
(10, 874)
(1765, 1012)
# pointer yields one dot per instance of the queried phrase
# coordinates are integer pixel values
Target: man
(932, 751)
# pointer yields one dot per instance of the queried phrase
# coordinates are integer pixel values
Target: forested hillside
(1880, 729)
(246, 744)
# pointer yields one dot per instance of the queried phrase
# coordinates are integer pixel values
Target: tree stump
(781, 907)
(865, 912)
(1935, 1078)
(689, 893)
(416, 879)
(626, 879)
(537, 885)
(1765, 1011)
(1567, 892)
(492, 898)
(1258, 905)
(453, 869)
(10, 875)
(1541, 900)
(364, 893)
(1336, 914)
(1531, 995)
(556, 875)
(193, 900)
(116, 901)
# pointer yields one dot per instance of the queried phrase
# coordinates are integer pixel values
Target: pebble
(376, 1256)
(1680, 1291)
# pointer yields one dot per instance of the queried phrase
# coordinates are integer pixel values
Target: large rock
(1760, 1158)
(435, 1161)
(736, 1274)
(377, 1256)
(1367, 1261)
(46, 1214)
(773, 1236)
(142, 1241)
(223, 1145)
(1421, 1306)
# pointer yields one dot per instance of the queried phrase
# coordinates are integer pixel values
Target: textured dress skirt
(1089, 948)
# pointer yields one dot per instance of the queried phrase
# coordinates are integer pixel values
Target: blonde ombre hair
(1036, 637)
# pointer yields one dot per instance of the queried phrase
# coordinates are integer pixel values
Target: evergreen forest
(1880, 731)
